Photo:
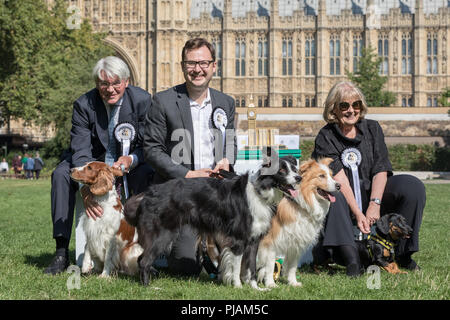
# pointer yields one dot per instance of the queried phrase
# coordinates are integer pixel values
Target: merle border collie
(240, 209)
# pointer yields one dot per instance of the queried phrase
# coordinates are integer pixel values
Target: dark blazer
(170, 111)
(89, 133)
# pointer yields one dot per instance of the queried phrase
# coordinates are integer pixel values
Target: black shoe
(408, 263)
(354, 270)
(59, 264)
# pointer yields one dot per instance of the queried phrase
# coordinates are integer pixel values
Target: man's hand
(223, 164)
(93, 210)
(200, 173)
(125, 160)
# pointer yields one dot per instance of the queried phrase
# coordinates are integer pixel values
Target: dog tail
(131, 207)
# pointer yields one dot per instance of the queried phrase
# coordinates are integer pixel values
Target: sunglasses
(357, 105)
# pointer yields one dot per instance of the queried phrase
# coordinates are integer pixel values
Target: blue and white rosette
(351, 158)
(220, 121)
(125, 133)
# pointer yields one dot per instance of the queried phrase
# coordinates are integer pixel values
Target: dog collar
(386, 244)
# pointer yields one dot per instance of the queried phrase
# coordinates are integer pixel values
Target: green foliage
(44, 65)
(444, 99)
(369, 80)
(423, 157)
(405, 157)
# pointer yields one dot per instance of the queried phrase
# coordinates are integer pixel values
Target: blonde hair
(339, 92)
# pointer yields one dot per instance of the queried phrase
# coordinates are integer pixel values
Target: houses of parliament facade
(282, 53)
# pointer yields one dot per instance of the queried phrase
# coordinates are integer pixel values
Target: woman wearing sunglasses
(368, 188)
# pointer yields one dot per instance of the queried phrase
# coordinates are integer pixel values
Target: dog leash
(125, 182)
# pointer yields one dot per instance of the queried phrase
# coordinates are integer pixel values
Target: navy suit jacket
(89, 133)
(170, 110)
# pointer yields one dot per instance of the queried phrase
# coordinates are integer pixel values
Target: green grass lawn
(26, 248)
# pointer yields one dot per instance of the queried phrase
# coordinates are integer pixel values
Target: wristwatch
(376, 200)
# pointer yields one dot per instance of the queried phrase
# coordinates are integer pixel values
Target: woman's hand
(363, 223)
(373, 213)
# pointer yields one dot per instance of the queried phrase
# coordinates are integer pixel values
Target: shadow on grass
(43, 260)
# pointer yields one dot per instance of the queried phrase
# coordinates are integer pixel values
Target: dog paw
(296, 284)
(271, 285)
(86, 270)
(255, 286)
(104, 275)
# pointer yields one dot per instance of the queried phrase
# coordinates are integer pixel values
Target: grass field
(26, 248)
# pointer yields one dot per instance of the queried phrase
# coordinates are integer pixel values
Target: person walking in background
(4, 167)
(24, 162)
(29, 167)
(38, 165)
(17, 165)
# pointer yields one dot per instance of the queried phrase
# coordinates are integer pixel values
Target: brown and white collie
(298, 221)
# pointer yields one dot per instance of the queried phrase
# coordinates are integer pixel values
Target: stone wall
(439, 130)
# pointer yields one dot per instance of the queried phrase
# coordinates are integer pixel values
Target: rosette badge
(220, 121)
(351, 158)
(125, 133)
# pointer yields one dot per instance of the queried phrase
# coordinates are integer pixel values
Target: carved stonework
(170, 24)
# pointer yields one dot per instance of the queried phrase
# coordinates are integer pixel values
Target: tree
(44, 64)
(369, 80)
(444, 99)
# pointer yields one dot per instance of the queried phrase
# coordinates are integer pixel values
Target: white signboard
(290, 141)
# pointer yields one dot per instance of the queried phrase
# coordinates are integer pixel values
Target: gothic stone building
(282, 53)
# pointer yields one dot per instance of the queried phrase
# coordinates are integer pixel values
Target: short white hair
(111, 66)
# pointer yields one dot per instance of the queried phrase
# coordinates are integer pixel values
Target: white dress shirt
(203, 136)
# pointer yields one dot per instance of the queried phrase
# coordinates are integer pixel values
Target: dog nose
(298, 179)
(338, 186)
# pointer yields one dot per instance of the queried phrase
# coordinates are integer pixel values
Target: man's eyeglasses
(106, 85)
(192, 64)
(357, 105)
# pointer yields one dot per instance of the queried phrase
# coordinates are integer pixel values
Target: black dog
(379, 249)
(240, 209)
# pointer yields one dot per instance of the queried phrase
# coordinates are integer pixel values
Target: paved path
(428, 176)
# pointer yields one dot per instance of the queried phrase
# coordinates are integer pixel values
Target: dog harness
(386, 244)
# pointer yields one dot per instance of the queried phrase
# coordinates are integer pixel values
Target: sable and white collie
(240, 209)
(298, 221)
(111, 243)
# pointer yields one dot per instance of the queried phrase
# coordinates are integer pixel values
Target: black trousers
(183, 258)
(64, 189)
(404, 194)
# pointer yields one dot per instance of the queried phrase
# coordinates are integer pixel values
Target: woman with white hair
(368, 188)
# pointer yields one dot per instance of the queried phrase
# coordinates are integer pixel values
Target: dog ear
(305, 165)
(326, 161)
(383, 224)
(102, 184)
(116, 172)
(291, 160)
